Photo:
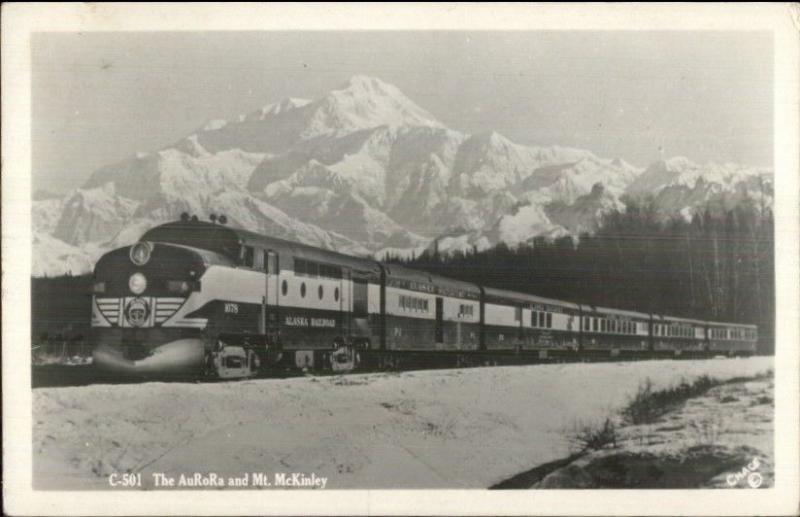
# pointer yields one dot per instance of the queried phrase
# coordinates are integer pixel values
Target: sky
(99, 98)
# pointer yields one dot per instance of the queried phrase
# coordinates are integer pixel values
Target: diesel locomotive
(203, 298)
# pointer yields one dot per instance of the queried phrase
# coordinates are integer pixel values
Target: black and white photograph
(324, 257)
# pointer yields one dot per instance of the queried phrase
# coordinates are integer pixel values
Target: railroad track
(58, 375)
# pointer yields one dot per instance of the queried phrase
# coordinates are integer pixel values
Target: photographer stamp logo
(749, 474)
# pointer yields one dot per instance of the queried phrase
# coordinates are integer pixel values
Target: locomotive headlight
(137, 283)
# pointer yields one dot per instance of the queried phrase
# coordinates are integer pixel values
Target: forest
(718, 266)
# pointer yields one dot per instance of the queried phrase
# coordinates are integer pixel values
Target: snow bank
(432, 429)
(705, 443)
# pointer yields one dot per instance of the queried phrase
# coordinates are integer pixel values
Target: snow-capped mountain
(363, 170)
(680, 186)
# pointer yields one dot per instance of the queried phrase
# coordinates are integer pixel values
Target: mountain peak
(493, 137)
(367, 102)
(677, 163)
(366, 82)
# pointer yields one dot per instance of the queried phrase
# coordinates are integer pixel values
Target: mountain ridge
(363, 169)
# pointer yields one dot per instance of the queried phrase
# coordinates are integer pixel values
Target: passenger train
(202, 298)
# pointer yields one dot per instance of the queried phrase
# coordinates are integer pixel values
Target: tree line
(717, 266)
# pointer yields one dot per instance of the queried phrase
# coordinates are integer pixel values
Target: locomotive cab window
(258, 260)
(247, 256)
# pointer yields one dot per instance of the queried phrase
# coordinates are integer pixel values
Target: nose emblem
(140, 253)
(137, 312)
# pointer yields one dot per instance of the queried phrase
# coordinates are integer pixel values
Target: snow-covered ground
(429, 429)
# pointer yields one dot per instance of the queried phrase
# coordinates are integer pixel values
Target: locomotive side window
(594, 324)
(299, 267)
(549, 320)
(533, 318)
(330, 271)
(320, 292)
(316, 269)
(303, 290)
(541, 320)
(284, 287)
(336, 294)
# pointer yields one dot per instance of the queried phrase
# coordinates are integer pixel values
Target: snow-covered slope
(45, 214)
(585, 212)
(364, 169)
(52, 256)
